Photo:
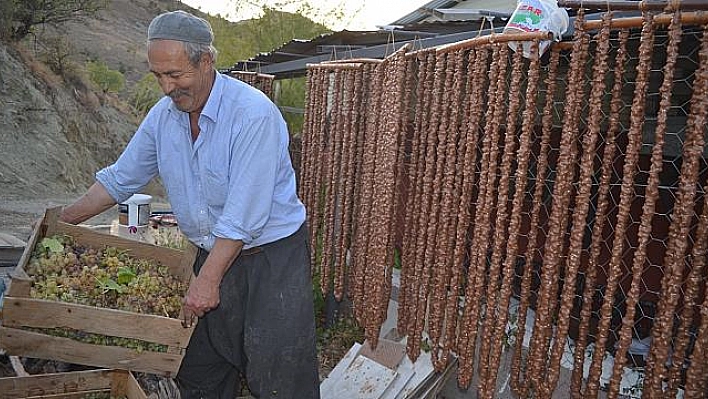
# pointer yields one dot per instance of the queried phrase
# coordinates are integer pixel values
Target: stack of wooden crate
(23, 316)
(76, 384)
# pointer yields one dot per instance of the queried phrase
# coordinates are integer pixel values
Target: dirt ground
(18, 214)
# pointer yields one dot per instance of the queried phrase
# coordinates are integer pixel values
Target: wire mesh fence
(261, 81)
(548, 214)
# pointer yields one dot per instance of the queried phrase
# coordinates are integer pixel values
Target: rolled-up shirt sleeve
(234, 181)
(135, 167)
(253, 177)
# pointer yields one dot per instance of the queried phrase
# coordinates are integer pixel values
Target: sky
(359, 15)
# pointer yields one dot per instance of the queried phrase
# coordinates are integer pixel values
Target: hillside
(54, 135)
(57, 130)
(117, 35)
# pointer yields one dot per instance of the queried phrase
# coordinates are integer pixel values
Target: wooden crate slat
(132, 388)
(38, 313)
(119, 384)
(186, 267)
(75, 395)
(31, 344)
(53, 384)
(50, 225)
(75, 384)
(21, 310)
(171, 258)
(20, 285)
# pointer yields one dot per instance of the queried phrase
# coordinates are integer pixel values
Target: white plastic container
(535, 16)
(135, 211)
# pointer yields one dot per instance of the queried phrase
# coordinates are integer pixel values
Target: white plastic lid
(138, 199)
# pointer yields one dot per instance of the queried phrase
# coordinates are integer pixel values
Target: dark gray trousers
(263, 328)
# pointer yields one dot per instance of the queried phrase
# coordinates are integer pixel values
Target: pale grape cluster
(62, 270)
(107, 278)
(105, 340)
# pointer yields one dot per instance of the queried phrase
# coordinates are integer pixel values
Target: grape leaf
(52, 244)
(125, 275)
(107, 284)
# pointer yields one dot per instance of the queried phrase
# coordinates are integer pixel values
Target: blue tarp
(2, 290)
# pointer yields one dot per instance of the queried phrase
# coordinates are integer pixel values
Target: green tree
(332, 14)
(145, 94)
(108, 80)
(273, 29)
(291, 93)
(23, 15)
(276, 28)
(242, 40)
(229, 40)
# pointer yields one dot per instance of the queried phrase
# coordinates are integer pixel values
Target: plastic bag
(535, 16)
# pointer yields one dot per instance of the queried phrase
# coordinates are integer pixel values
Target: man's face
(187, 85)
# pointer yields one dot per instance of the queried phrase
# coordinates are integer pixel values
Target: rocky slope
(56, 132)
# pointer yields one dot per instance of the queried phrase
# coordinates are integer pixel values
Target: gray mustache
(177, 93)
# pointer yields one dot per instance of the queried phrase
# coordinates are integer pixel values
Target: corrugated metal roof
(424, 12)
(336, 45)
(467, 14)
(292, 58)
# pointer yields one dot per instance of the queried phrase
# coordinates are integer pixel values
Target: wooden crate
(20, 311)
(72, 385)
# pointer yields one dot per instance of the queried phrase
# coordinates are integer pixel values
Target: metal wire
(553, 210)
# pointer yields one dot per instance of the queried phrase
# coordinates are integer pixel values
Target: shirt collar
(212, 106)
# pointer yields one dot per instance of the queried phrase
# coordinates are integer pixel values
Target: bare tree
(25, 14)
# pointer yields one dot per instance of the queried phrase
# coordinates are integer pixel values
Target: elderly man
(221, 150)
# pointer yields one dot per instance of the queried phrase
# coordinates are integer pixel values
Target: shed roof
(291, 59)
(424, 12)
(449, 24)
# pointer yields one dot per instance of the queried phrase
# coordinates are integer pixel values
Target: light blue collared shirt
(235, 181)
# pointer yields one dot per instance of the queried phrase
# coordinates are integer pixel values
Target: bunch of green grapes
(62, 270)
(103, 340)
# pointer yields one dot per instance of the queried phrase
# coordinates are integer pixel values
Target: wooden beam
(335, 67)
(495, 38)
(692, 18)
(623, 5)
